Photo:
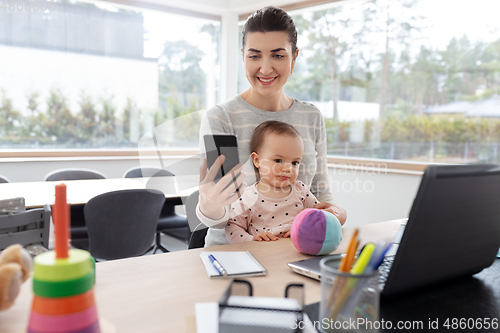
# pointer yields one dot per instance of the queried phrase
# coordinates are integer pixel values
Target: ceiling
(214, 7)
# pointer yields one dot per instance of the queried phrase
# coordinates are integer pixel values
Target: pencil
(359, 268)
(345, 266)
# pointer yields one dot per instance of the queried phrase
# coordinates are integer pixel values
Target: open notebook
(236, 264)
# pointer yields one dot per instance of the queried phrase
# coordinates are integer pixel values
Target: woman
(269, 54)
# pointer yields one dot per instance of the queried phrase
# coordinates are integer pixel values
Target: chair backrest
(139, 172)
(3, 179)
(73, 174)
(123, 223)
(198, 229)
(25, 228)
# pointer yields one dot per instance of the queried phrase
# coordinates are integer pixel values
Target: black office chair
(198, 229)
(169, 223)
(25, 228)
(73, 174)
(139, 172)
(3, 179)
(122, 224)
(78, 229)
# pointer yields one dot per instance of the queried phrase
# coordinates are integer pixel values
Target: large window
(97, 75)
(415, 80)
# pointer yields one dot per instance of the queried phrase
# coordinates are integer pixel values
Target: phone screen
(222, 144)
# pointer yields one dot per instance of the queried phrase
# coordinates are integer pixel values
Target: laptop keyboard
(384, 269)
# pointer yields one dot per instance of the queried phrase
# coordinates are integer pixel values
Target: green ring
(64, 288)
(48, 268)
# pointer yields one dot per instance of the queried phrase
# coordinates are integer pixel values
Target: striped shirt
(237, 116)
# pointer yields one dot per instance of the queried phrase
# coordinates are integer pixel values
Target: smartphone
(222, 144)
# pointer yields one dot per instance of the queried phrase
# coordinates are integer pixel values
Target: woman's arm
(320, 186)
(214, 197)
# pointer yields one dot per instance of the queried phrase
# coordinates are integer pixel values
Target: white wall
(367, 195)
(373, 195)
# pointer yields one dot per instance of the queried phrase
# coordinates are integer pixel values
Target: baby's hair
(268, 127)
(271, 126)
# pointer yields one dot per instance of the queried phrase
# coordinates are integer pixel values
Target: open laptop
(453, 229)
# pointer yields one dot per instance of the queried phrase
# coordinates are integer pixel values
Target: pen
(358, 268)
(345, 266)
(217, 265)
(378, 256)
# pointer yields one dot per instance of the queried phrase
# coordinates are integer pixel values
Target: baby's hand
(287, 234)
(266, 236)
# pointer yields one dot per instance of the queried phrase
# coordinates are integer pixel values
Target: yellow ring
(48, 268)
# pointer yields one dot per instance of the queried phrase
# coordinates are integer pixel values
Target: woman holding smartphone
(269, 50)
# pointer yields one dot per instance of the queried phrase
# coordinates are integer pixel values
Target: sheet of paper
(233, 262)
(207, 319)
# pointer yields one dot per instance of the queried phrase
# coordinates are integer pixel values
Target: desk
(157, 293)
(79, 192)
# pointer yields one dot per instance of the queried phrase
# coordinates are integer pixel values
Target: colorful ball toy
(316, 232)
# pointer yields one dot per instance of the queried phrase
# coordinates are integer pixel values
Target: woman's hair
(266, 128)
(269, 19)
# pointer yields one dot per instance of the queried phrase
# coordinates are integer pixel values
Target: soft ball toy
(316, 232)
(15, 268)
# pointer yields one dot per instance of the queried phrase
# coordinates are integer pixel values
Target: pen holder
(349, 303)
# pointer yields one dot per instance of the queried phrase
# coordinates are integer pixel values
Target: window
(415, 80)
(99, 75)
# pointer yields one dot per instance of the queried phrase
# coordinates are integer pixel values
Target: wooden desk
(37, 194)
(158, 293)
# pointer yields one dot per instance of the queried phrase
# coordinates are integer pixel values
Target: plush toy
(316, 232)
(15, 268)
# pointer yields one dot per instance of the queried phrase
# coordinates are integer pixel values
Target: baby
(266, 209)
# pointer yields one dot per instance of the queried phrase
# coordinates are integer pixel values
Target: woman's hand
(338, 211)
(215, 196)
(265, 236)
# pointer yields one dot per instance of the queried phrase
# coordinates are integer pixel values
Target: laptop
(453, 230)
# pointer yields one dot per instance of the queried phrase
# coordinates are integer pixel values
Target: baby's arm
(309, 198)
(282, 230)
(236, 228)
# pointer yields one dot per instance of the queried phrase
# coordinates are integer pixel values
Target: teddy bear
(15, 268)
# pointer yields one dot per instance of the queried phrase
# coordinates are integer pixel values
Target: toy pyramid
(63, 282)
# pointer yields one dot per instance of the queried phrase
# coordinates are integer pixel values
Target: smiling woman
(269, 47)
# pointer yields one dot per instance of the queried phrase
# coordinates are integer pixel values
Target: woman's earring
(291, 72)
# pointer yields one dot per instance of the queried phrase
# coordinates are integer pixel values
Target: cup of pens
(349, 302)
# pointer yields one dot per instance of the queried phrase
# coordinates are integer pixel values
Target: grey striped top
(238, 117)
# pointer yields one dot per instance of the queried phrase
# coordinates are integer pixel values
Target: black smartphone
(222, 144)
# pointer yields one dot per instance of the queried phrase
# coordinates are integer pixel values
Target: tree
(106, 127)
(180, 71)
(10, 118)
(59, 124)
(325, 33)
(87, 118)
(399, 25)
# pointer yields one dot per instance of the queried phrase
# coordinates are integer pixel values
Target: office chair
(3, 179)
(78, 229)
(169, 223)
(25, 228)
(139, 172)
(73, 174)
(122, 224)
(198, 229)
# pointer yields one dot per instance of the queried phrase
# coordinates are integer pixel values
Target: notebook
(236, 264)
(452, 230)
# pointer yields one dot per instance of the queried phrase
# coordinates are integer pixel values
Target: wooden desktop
(158, 293)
